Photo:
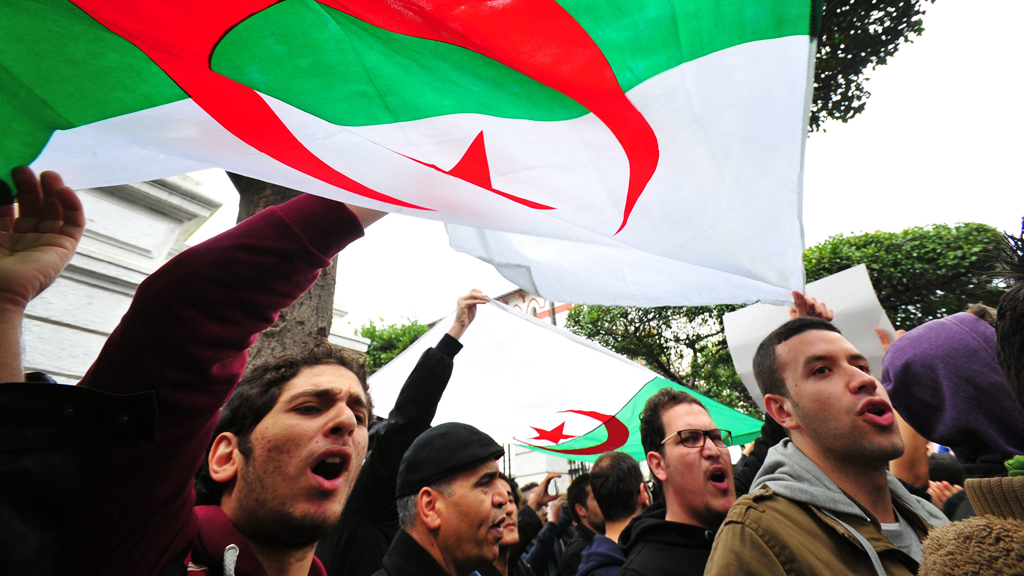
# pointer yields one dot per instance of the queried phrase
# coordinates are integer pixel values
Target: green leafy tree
(389, 341)
(683, 344)
(919, 274)
(855, 36)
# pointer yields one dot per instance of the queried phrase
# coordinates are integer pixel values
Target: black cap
(441, 451)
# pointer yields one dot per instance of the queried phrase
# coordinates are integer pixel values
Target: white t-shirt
(903, 537)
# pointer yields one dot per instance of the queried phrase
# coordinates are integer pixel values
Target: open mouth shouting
(877, 412)
(330, 468)
(718, 477)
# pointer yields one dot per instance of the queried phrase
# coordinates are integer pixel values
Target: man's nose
(709, 449)
(862, 382)
(500, 499)
(343, 421)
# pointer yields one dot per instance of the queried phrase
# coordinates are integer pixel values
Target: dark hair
(517, 496)
(577, 494)
(943, 466)
(1010, 319)
(528, 487)
(256, 396)
(766, 364)
(615, 480)
(652, 429)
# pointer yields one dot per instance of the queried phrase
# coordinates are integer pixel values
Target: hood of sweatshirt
(793, 476)
(220, 548)
(658, 510)
(660, 531)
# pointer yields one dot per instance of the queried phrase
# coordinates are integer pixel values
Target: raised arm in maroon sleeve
(185, 336)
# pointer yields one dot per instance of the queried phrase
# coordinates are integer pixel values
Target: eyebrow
(325, 395)
(823, 358)
(487, 478)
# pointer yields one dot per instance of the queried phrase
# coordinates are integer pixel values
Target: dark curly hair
(652, 429)
(256, 396)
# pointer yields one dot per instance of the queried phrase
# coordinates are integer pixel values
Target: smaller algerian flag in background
(524, 381)
(641, 152)
(621, 431)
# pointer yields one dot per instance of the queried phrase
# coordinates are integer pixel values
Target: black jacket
(573, 553)
(54, 442)
(357, 545)
(654, 546)
(406, 557)
(520, 568)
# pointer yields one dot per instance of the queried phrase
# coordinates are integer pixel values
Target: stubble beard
(845, 446)
(262, 516)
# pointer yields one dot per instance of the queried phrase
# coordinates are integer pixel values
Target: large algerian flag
(634, 152)
(524, 381)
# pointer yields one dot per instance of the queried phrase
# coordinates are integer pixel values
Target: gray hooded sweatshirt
(793, 476)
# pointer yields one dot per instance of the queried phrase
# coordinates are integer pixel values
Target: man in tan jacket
(825, 502)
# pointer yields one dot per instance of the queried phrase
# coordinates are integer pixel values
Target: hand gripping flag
(524, 381)
(639, 152)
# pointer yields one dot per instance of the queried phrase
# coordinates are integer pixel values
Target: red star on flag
(555, 435)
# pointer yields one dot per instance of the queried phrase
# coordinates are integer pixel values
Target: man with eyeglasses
(689, 455)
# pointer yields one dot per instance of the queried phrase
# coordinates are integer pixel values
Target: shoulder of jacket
(754, 501)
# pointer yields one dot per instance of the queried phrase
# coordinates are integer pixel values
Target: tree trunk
(309, 318)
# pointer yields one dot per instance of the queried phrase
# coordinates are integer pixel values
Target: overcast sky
(939, 142)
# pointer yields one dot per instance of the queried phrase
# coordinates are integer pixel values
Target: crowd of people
(165, 461)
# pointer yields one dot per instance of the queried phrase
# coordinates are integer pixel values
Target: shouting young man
(826, 503)
(291, 441)
(688, 453)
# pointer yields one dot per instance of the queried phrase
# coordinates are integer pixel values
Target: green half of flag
(744, 428)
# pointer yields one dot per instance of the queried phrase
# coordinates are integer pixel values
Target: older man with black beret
(450, 504)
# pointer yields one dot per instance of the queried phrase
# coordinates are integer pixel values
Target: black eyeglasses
(697, 438)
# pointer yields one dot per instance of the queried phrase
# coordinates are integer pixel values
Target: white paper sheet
(857, 312)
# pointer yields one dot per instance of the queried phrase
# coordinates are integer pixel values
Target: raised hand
(807, 306)
(466, 312)
(555, 509)
(37, 242)
(941, 491)
(540, 498)
(884, 338)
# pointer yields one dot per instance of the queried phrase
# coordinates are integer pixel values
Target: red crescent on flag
(179, 36)
(618, 433)
(538, 38)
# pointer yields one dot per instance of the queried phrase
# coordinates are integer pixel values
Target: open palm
(37, 242)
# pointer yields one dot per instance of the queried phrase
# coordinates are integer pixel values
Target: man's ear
(780, 408)
(224, 458)
(581, 511)
(429, 507)
(645, 496)
(656, 462)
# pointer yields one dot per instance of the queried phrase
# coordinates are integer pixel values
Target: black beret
(443, 450)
